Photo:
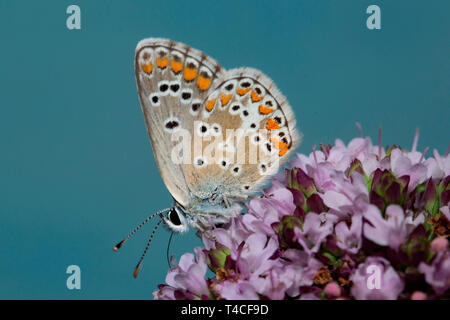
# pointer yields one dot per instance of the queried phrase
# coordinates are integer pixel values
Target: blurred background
(77, 171)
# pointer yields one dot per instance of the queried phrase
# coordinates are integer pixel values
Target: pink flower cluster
(352, 221)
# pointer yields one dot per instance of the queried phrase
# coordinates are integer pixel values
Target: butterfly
(217, 135)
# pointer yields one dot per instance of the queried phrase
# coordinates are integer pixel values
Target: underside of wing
(173, 82)
(248, 131)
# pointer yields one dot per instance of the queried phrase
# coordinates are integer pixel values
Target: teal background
(76, 169)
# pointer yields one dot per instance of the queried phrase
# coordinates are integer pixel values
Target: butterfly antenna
(168, 249)
(138, 267)
(121, 243)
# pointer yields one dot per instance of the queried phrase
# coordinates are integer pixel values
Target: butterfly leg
(226, 201)
(239, 198)
(208, 234)
(198, 226)
(228, 198)
(245, 196)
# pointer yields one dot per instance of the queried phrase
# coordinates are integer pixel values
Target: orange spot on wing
(162, 63)
(147, 68)
(203, 83)
(225, 98)
(242, 91)
(272, 124)
(265, 110)
(278, 143)
(283, 151)
(176, 66)
(190, 74)
(210, 104)
(255, 96)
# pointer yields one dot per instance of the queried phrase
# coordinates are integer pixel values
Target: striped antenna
(138, 267)
(120, 244)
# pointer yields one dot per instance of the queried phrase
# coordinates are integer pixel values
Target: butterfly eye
(154, 99)
(174, 218)
(163, 87)
(186, 96)
(200, 162)
(176, 221)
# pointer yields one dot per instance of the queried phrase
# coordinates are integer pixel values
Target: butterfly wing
(254, 132)
(173, 80)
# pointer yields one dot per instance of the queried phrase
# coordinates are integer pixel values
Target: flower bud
(332, 289)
